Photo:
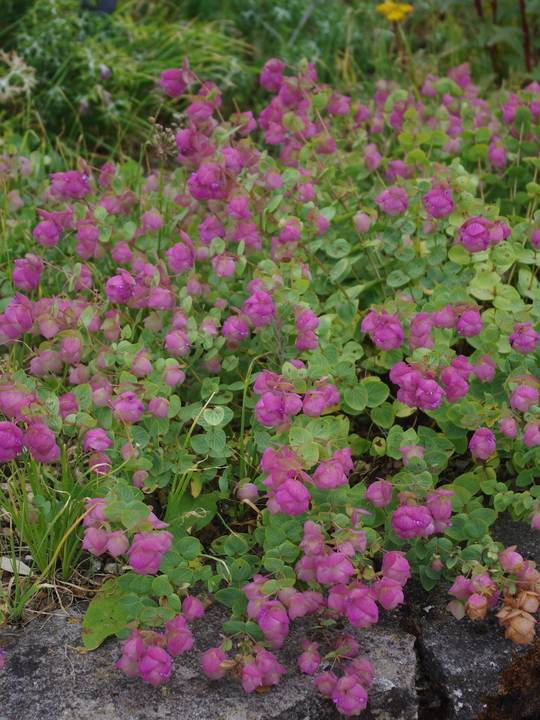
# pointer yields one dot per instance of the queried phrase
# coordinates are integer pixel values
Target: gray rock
(47, 676)
(466, 659)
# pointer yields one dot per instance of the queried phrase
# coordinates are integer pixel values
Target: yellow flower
(394, 12)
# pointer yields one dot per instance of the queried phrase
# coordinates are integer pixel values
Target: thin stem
(526, 36)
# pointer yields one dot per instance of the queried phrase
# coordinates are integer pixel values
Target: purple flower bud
(117, 543)
(71, 185)
(389, 592)
(68, 405)
(155, 665)
(380, 493)
(438, 203)
(158, 407)
(249, 491)
(192, 608)
(349, 697)
(485, 369)
(411, 451)
(393, 201)
(292, 498)
(180, 257)
(412, 521)
(509, 427)
(95, 540)
(11, 441)
(385, 330)
(40, 441)
(177, 343)
(497, 153)
(535, 239)
(362, 222)
(173, 375)
(444, 318)
(474, 234)
(325, 683)
(127, 408)
(179, 636)
(96, 439)
(524, 339)
(27, 273)
(454, 384)
(272, 74)
(211, 660)
(396, 566)
(462, 366)
(522, 397)
(310, 659)
(470, 323)
(531, 434)
(120, 288)
(482, 444)
(175, 82)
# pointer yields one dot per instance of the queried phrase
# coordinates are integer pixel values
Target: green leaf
(228, 596)
(383, 415)
(356, 397)
(214, 416)
(377, 391)
(105, 616)
(475, 528)
(397, 278)
(160, 586)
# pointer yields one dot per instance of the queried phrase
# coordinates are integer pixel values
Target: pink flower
(41, 443)
(179, 636)
(291, 497)
(131, 654)
(438, 203)
(524, 339)
(396, 566)
(329, 476)
(393, 201)
(310, 659)
(362, 670)
(175, 82)
(211, 659)
(120, 288)
(11, 441)
(155, 665)
(349, 696)
(96, 439)
(509, 427)
(95, 540)
(531, 434)
(274, 622)
(272, 74)
(510, 560)
(325, 683)
(333, 569)
(260, 308)
(470, 323)
(177, 343)
(485, 369)
(127, 408)
(71, 185)
(482, 444)
(380, 493)
(27, 273)
(192, 608)
(440, 506)
(158, 407)
(522, 397)
(411, 451)
(180, 257)
(389, 592)
(147, 550)
(385, 330)
(474, 234)
(117, 543)
(412, 521)
(454, 384)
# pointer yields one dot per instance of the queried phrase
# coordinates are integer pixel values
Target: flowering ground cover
(251, 330)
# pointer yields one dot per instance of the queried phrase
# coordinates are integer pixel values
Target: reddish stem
(526, 36)
(479, 10)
